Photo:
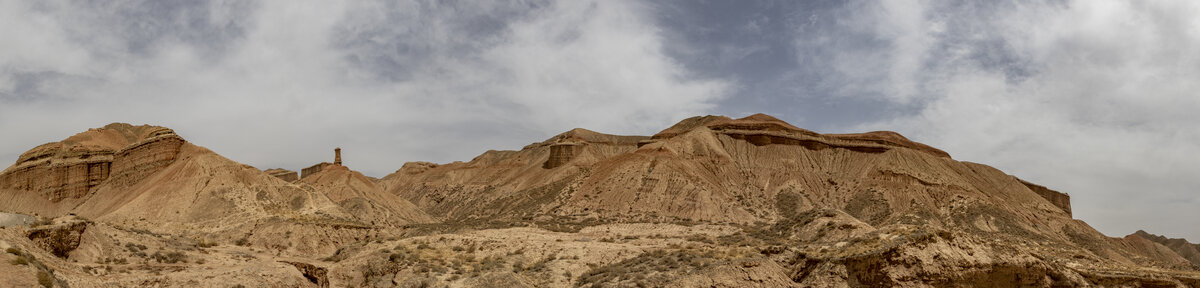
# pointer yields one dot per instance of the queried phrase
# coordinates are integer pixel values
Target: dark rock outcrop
(60, 238)
(314, 274)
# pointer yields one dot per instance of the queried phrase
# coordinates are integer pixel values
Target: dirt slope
(364, 200)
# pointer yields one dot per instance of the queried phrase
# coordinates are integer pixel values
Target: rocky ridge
(1187, 250)
(709, 202)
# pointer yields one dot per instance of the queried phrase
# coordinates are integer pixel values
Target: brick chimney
(337, 156)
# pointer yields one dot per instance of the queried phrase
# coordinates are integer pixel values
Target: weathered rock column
(337, 156)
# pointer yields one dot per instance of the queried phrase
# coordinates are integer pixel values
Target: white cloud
(281, 83)
(1093, 98)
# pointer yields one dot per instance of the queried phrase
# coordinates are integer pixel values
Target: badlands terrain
(709, 202)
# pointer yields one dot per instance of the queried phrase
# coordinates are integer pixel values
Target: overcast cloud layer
(1093, 98)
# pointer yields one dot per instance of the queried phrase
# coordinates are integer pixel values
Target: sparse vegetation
(655, 268)
(20, 261)
(45, 279)
(202, 243)
(41, 222)
(169, 258)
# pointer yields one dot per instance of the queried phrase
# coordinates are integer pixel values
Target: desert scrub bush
(490, 263)
(134, 248)
(45, 279)
(19, 261)
(244, 241)
(402, 257)
(699, 238)
(540, 265)
(41, 222)
(655, 268)
(205, 243)
(13, 250)
(376, 269)
(169, 257)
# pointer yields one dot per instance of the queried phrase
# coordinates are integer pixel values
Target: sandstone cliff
(153, 180)
(70, 169)
(848, 202)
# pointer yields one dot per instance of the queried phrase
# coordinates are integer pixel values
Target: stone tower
(337, 156)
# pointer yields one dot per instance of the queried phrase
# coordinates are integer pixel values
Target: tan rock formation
(71, 168)
(1059, 199)
(758, 169)
(283, 174)
(709, 202)
(158, 182)
(361, 198)
(561, 153)
(892, 139)
(314, 169)
(1180, 246)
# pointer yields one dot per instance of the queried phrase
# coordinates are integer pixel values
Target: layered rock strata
(561, 153)
(73, 167)
(869, 209)
(283, 174)
(314, 169)
(1059, 199)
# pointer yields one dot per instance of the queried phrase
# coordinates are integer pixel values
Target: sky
(1094, 98)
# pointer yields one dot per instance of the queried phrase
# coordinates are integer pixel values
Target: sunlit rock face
(71, 168)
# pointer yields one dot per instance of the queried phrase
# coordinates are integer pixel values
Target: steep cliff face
(144, 158)
(562, 153)
(314, 169)
(1059, 199)
(68, 170)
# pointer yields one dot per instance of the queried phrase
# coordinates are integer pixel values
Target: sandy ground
(12, 219)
